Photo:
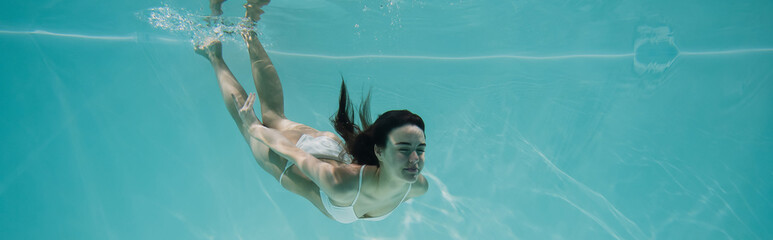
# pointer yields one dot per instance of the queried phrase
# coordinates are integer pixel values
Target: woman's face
(403, 153)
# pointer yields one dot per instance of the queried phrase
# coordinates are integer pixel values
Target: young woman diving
(365, 177)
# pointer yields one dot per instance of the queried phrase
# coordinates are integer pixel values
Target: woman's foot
(216, 7)
(253, 9)
(251, 39)
(211, 50)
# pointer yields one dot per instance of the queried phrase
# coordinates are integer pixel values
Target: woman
(365, 179)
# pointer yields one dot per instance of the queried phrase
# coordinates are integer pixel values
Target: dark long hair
(360, 140)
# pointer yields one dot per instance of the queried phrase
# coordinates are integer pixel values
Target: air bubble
(654, 50)
(199, 29)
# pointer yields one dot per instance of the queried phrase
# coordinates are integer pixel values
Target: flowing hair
(361, 139)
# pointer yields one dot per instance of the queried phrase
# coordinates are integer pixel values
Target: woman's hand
(246, 113)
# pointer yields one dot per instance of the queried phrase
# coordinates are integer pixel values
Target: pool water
(545, 119)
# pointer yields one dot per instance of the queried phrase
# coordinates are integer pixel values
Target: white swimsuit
(324, 147)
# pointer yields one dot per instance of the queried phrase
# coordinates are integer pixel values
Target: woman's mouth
(411, 170)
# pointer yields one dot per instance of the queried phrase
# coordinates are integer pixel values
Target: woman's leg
(268, 85)
(266, 82)
(229, 86)
(264, 74)
(231, 89)
(293, 179)
(270, 91)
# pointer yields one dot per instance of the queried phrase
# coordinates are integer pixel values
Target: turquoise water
(545, 119)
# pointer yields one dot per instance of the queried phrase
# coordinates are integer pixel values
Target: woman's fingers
(239, 106)
(254, 96)
(250, 101)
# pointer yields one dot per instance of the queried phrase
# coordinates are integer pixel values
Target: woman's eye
(408, 151)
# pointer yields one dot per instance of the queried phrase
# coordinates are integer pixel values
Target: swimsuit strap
(360, 186)
(406, 193)
(289, 164)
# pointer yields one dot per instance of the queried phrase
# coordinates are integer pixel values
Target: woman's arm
(320, 172)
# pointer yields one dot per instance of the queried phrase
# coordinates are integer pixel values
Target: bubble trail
(200, 29)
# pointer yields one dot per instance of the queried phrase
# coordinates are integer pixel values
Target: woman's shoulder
(345, 181)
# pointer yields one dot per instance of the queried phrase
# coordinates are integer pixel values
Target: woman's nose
(414, 157)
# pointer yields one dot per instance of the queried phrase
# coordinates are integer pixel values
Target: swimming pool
(545, 119)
